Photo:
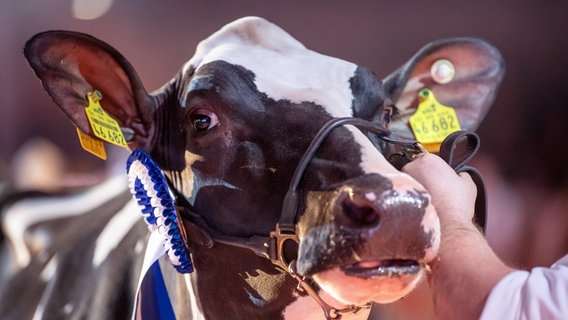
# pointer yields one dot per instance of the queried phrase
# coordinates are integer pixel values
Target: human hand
(456, 278)
(453, 195)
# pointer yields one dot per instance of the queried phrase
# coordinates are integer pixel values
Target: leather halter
(284, 240)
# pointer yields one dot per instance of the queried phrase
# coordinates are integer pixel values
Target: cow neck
(281, 245)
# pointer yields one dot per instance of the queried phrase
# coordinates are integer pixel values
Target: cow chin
(352, 290)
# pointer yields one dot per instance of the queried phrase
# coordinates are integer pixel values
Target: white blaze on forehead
(283, 67)
(286, 69)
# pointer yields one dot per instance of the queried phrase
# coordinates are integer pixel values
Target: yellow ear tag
(92, 145)
(432, 122)
(104, 127)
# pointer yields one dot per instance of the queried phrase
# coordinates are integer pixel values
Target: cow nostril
(360, 213)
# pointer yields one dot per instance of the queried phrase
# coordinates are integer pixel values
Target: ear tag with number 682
(104, 127)
(432, 122)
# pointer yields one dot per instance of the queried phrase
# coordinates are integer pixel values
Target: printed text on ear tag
(94, 146)
(104, 127)
(432, 122)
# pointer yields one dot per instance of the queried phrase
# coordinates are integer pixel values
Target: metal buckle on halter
(405, 153)
(280, 237)
(417, 148)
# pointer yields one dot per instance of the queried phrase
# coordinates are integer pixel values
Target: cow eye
(203, 120)
(388, 114)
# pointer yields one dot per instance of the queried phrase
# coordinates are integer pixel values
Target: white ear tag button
(442, 71)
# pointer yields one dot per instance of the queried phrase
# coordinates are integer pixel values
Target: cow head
(230, 128)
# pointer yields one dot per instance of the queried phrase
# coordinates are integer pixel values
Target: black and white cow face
(231, 127)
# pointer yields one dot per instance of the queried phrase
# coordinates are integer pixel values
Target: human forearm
(467, 268)
(465, 273)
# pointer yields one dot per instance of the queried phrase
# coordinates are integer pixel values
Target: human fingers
(429, 170)
(453, 195)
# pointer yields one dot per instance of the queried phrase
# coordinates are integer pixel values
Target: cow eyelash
(389, 113)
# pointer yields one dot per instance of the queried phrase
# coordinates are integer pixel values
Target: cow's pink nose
(371, 201)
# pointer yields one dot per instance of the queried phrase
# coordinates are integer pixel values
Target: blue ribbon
(150, 189)
(154, 299)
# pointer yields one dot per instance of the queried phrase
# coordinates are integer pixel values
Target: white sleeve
(541, 293)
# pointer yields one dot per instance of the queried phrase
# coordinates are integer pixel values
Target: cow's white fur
(283, 67)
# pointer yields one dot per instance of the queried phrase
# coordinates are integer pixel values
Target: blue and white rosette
(150, 189)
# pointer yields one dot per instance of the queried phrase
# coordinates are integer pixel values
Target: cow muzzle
(367, 241)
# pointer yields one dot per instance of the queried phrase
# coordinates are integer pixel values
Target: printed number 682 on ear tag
(104, 127)
(432, 122)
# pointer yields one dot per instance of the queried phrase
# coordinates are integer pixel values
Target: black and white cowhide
(228, 131)
(72, 256)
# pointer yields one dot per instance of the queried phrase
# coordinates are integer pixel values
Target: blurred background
(523, 156)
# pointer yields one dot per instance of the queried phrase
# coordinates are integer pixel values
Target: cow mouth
(381, 281)
(383, 268)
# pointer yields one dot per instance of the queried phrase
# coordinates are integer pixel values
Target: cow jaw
(355, 290)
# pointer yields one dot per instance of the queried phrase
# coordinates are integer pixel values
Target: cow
(276, 161)
(71, 254)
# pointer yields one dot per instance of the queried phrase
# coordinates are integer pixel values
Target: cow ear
(71, 64)
(469, 88)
